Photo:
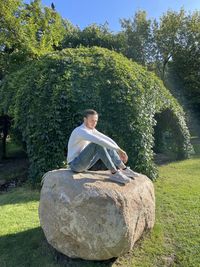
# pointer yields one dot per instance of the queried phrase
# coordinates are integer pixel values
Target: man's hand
(123, 156)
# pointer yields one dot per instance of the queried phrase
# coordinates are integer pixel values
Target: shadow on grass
(18, 196)
(30, 248)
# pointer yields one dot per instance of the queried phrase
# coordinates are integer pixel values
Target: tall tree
(27, 31)
(93, 35)
(166, 38)
(138, 37)
(186, 60)
(10, 33)
(43, 27)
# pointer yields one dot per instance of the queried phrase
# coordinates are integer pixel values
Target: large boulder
(85, 215)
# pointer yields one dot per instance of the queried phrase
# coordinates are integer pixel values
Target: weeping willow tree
(47, 96)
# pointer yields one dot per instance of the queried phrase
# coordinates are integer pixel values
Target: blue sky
(85, 12)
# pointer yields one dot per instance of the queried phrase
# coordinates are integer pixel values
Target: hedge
(47, 96)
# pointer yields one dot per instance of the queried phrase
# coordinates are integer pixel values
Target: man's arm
(95, 138)
(105, 137)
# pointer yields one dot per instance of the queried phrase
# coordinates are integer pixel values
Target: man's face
(91, 121)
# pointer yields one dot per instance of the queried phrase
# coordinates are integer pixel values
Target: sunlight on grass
(27, 218)
(19, 212)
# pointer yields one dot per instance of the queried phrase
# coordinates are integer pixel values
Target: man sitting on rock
(87, 145)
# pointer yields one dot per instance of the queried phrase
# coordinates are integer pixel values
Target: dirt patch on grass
(13, 172)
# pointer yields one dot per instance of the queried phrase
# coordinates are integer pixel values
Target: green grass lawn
(174, 241)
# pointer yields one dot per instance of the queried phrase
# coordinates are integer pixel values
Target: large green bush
(46, 99)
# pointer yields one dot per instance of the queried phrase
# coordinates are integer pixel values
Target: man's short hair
(88, 112)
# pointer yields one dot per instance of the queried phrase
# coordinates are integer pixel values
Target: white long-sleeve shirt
(82, 136)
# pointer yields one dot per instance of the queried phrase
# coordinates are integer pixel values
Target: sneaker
(130, 173)
(119, 177)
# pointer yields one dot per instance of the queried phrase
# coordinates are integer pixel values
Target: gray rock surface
(84, 215)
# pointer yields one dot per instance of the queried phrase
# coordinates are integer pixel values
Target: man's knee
(100, 148)
(97, 147)
(93, 146)
(112, 152)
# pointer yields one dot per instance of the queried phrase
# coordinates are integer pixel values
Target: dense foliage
(46, 99)
(28, 31)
